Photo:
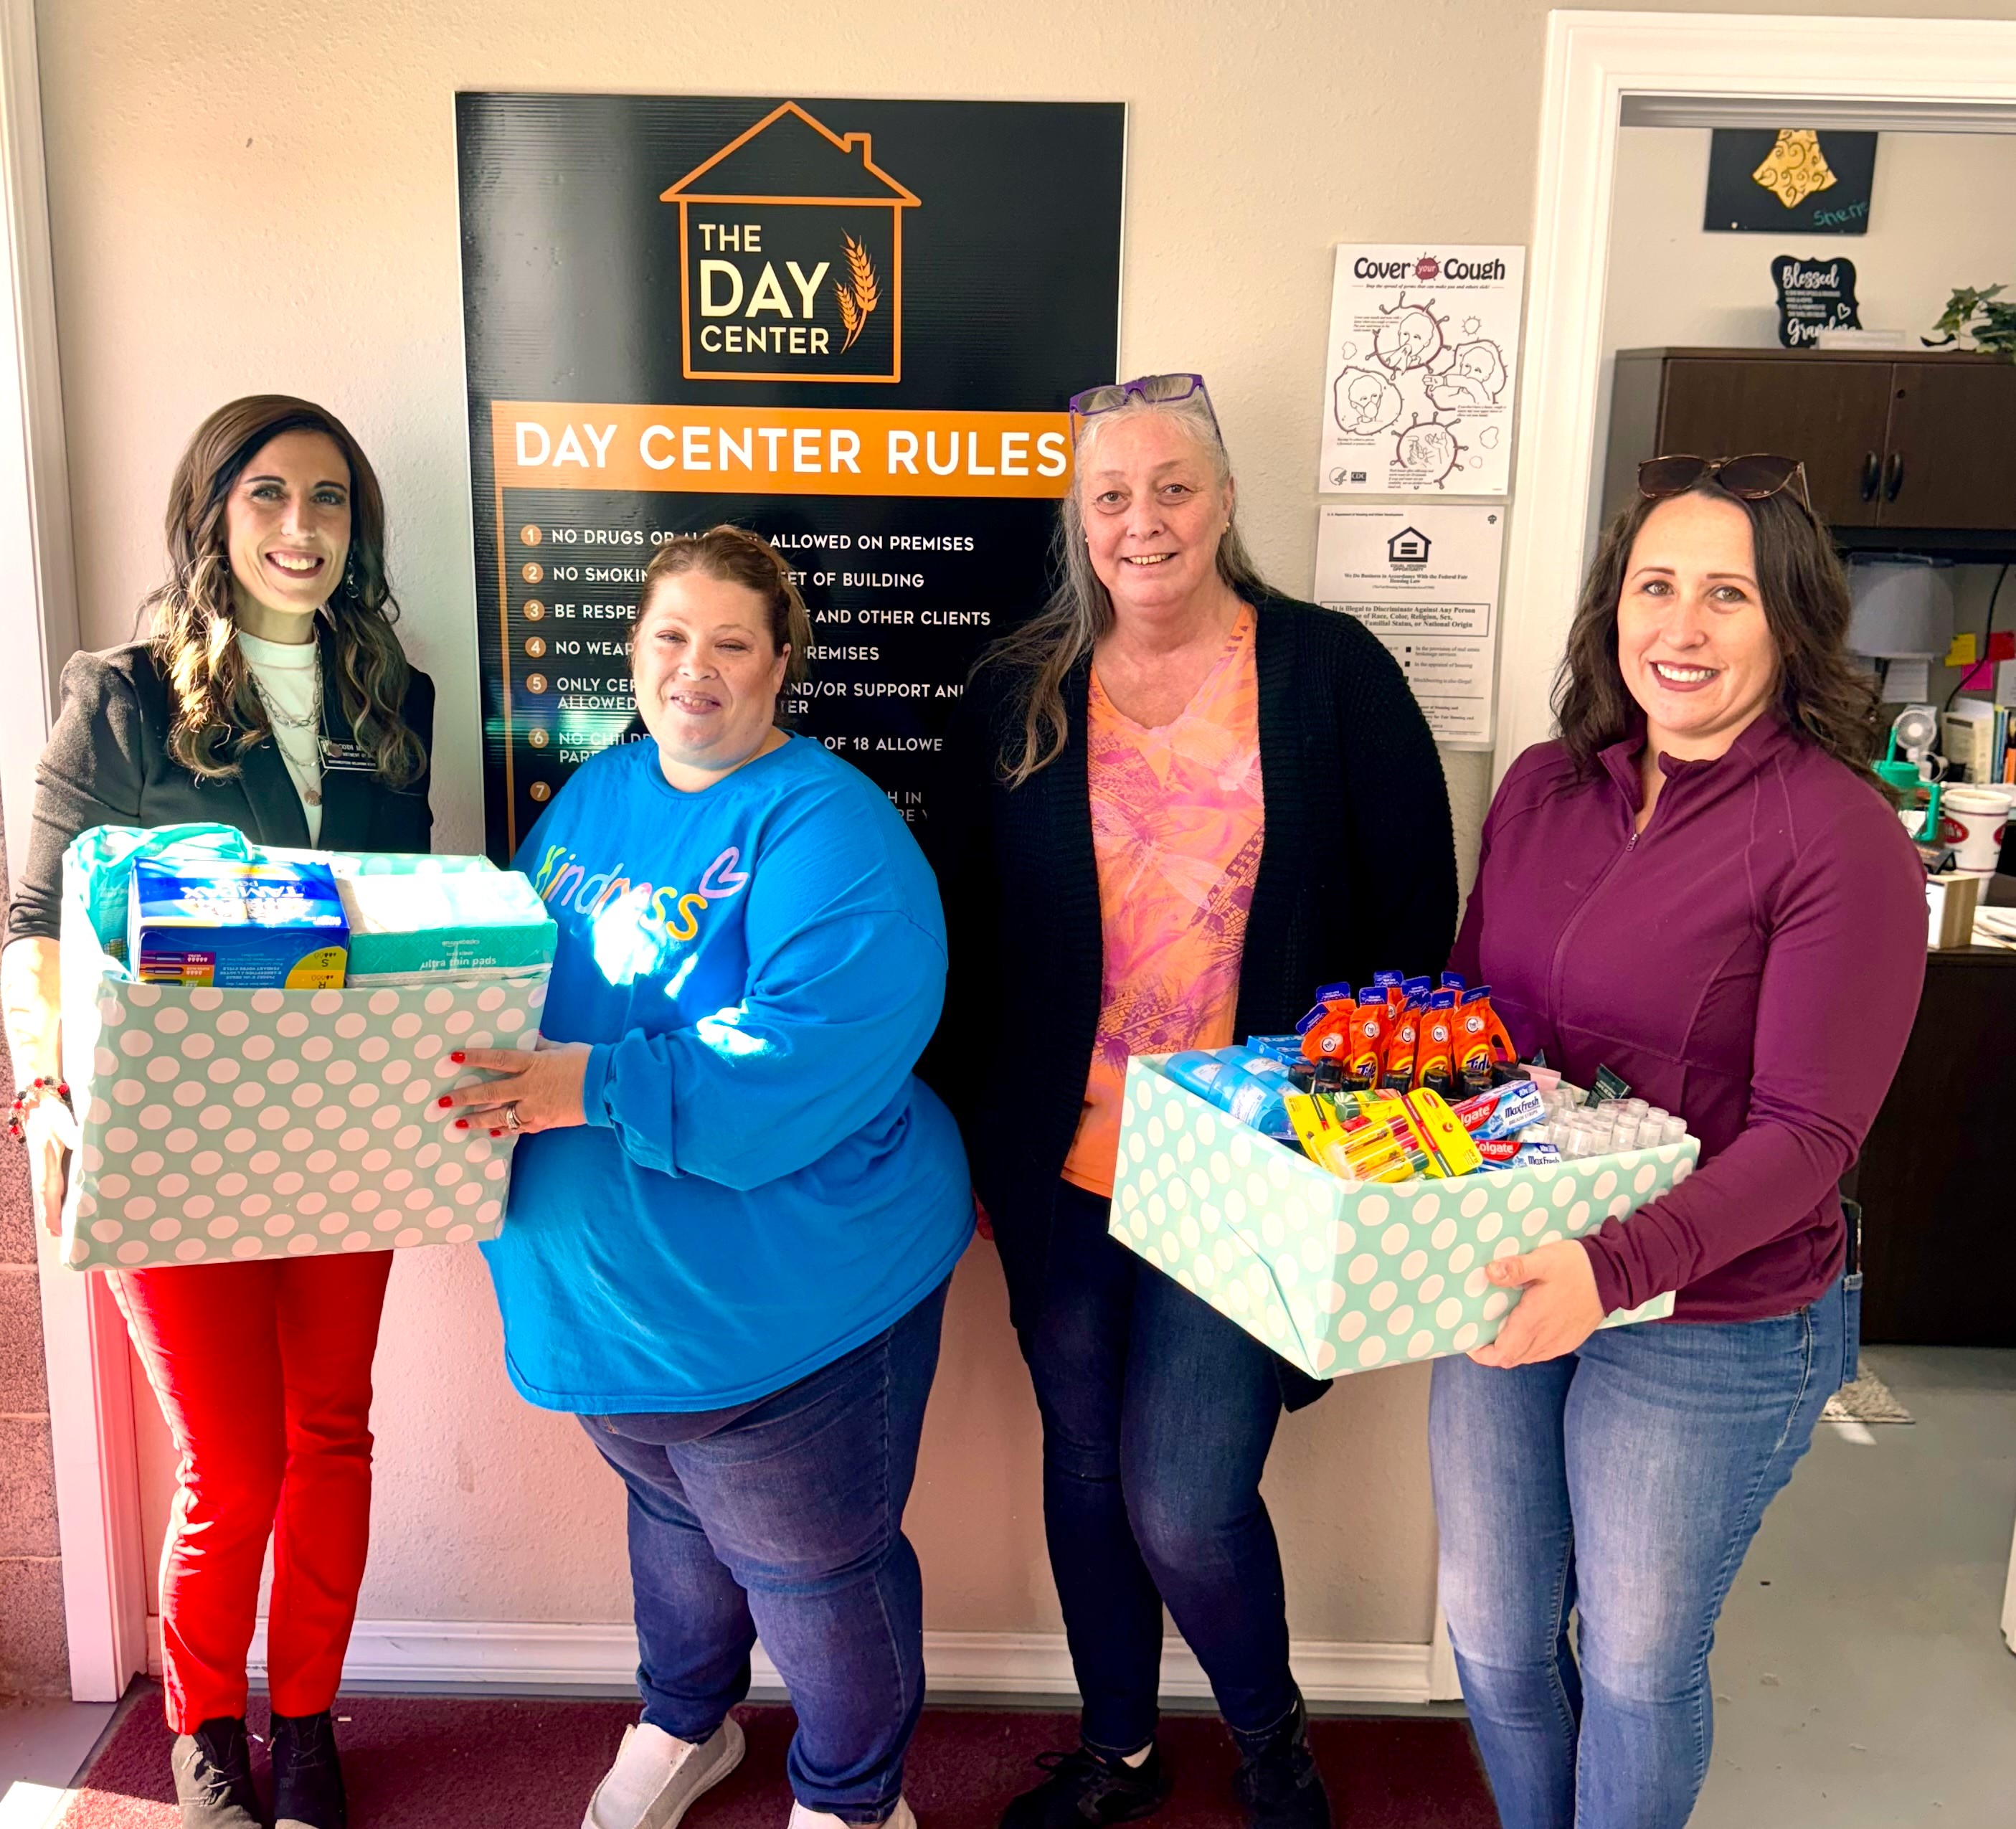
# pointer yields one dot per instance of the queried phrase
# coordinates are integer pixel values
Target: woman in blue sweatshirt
(728, 1240)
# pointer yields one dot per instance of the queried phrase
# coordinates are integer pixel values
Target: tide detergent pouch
(1402, 1046)
(1327, 995)
(1434, 1063)
(1366, 1050)
(1474, 1054)
(1328, 1039)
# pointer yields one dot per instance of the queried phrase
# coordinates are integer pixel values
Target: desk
(1937, 1180)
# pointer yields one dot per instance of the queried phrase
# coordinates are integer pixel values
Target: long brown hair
(734, 556)
(217, 713)
(1047, 647)
(1821, 695)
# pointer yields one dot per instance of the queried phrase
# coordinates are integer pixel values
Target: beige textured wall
(246, 197)
(34, 1661)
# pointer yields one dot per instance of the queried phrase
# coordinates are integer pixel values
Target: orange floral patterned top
(1177, 819)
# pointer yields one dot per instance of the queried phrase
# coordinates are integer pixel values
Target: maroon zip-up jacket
(1751, 960)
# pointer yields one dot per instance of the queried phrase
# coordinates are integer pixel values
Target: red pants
(263, 1370)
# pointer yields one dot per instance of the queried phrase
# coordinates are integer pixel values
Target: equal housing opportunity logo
(791, 257)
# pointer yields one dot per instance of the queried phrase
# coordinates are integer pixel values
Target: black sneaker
(1084, 1786)
(307, 1781)
(213, 1768)
(1279, 1782)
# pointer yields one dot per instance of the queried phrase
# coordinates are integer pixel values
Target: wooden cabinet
(1891, 441)
(1939, 1240)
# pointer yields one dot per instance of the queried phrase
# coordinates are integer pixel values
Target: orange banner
(779, 451)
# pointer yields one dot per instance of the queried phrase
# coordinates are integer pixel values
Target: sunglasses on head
(1752, 478)
(1155, 389)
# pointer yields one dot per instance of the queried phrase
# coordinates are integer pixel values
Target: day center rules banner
(850, 326)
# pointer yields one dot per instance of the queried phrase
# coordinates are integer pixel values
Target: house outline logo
(1409, 546)
(853, 276)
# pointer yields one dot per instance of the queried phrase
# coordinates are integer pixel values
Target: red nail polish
(462, 1124)
(444, 1101)
(497, 1133)
(458, 1057)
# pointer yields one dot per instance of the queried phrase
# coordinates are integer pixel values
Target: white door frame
(1594, 61)
(91, 1409)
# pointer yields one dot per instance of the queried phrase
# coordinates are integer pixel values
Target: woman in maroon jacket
(1699, 885)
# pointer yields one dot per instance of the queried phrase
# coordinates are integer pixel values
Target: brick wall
(33, 1660)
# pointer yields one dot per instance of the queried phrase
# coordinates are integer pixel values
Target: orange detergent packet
(1367, 1050)
(1473, 1043)
(1482, 1044)
(1329, 1037)
(1435, 1060)
(1402, 1043)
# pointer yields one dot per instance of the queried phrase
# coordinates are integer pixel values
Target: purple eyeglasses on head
(1155, 389)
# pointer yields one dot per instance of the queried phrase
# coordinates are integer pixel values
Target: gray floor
(1861, 1678)
(42, 1745)
(1860, 1674)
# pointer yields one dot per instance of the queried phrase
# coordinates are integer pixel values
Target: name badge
(350, 756)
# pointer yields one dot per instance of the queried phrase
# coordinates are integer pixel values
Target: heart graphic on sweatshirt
(722, 879)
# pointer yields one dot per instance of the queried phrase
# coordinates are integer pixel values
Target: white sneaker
(656, 1778)
(902, 1817)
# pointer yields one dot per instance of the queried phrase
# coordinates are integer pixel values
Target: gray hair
(1080, 611)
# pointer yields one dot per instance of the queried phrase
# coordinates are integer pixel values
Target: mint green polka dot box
(224, 1126)
(1340, 1277)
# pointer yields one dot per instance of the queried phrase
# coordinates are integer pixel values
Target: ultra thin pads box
(470, 920)
(243, 927)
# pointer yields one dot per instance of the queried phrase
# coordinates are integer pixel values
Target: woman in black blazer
(1178, 803)
(274, 697)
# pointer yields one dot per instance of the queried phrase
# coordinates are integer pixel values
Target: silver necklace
(281, 720)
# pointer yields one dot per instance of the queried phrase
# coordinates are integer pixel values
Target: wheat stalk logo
(865, 294)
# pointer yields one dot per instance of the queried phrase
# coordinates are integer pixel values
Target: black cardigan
(107, 764)
(1357, 872)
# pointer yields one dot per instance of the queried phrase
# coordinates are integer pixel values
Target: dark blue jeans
(785, 1517)
(1157, 1416)
(1622, 1483)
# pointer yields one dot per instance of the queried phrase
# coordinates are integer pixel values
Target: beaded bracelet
(32, 1094)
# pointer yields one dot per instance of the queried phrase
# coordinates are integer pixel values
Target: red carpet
(423, 1763)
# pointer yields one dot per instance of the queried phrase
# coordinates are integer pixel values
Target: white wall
(248, 197)
(1941, 215)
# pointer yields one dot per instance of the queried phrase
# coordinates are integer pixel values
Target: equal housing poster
(852, 326)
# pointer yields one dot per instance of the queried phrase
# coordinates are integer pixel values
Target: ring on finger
(512, 1120)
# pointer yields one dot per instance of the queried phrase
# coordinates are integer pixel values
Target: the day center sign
(849, 326)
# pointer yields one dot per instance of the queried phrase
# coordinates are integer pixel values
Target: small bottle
(1675, 1130)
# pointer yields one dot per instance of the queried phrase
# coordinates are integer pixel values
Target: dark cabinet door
(1952, 456)
(1831, 414)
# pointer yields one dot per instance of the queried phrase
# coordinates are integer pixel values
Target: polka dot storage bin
(1337, 1278)
(225, 1125)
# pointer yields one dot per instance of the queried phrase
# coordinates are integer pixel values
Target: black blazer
(1357, 872)
(107, 764)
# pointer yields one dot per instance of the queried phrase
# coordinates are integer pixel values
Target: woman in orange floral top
(1180, 803)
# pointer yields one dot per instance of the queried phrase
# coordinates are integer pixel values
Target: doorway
(1608, 71)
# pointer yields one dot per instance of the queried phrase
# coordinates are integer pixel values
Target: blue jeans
(1157, 1416)
(1623, 1483)
(785, 1516)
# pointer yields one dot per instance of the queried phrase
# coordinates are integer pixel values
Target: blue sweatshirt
(761, 1185)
